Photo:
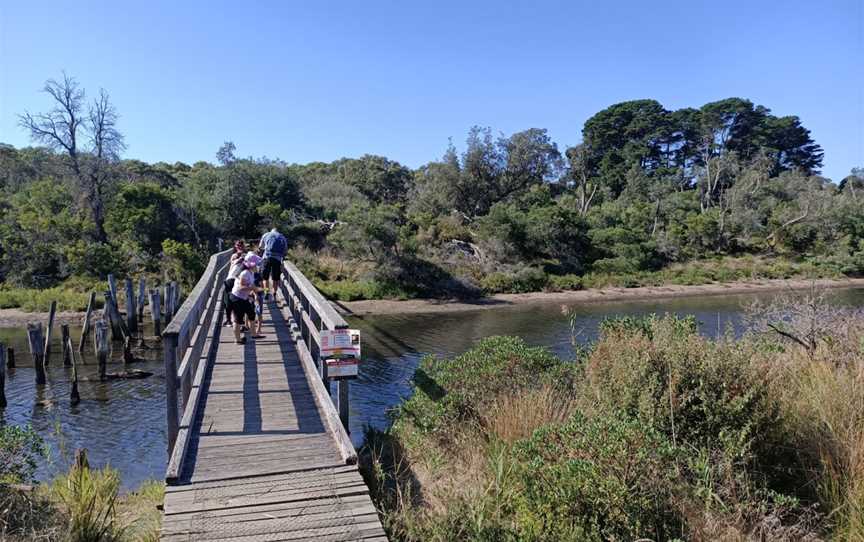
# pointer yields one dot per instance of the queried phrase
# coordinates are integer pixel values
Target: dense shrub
(521, 280)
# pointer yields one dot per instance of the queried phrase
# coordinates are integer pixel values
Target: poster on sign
(344, 368)
(340, 343)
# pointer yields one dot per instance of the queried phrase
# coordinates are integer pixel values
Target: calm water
(122, 422)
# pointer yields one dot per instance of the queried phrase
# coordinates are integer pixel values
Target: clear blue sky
(306, 81)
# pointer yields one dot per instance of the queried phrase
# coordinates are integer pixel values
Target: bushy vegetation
(83, 505)
(648, 197)
(654, 433)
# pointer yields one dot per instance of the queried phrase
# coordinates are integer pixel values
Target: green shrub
(447, 391)
(523, 280)
(602, 478)
(564, 282)
(20, 451)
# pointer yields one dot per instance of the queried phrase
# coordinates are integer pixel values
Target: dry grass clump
(512, 417)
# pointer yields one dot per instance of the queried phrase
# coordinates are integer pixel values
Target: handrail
(176, 337)
(312, 313)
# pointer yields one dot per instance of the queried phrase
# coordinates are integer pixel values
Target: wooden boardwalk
(262, 462)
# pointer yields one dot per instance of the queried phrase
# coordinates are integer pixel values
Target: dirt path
(586, 296)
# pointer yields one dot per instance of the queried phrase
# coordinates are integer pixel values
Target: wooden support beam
(112, 287)
(52, 312)
(131, 310)
(65, 342)
(156, 311)
(169, 347)
(102, 347)
(142, 299)
(10, 362)
(91, 304)
(2, 375)
(37, 343)
(74, 396)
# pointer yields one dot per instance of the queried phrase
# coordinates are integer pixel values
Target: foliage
(89, 499)
(21, 449)
(645, 195)
(654, 433)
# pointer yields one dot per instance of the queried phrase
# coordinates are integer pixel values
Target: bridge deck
(261, 464)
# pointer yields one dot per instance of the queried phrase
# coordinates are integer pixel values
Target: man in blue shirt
(275, 245)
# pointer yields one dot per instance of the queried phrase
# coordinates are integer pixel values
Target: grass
(71, 295)
(83, 505)
(653, 433)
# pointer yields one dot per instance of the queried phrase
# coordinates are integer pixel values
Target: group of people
(253, 279)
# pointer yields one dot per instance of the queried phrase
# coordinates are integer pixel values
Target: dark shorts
(272, 268)
(241, 308)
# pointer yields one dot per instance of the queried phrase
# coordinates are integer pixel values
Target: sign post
(340, 350)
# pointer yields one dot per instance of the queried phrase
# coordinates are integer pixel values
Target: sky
(316, 81)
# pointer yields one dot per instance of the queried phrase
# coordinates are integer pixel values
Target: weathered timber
(112, 287)
(114, 318)
(10, 362)
(260, 452)
(74, 396)
(52, 312)
(102, 347)
(2, 375)
(65, 343)
(86, 329)
(142, 299)
(343, 404)
(131, 310)
(37, 342)
(156, 311)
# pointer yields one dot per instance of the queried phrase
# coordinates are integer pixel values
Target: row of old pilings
(163, 302)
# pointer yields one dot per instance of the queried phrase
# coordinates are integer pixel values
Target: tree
(66, 126)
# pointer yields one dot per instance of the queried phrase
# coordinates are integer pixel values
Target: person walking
(234, 269)
(275, 246)
(241, 297)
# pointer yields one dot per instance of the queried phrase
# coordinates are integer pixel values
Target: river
(122, 422)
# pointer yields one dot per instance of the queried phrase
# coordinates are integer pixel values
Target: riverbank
(19, 317)
(593, 295)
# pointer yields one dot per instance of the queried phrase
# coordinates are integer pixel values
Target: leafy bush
(564, 282)
(522, 280)
(579, 480)
(20, 451)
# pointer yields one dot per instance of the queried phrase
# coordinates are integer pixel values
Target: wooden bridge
(257, 449)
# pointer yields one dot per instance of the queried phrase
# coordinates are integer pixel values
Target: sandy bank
(360, 308)
(19, 318)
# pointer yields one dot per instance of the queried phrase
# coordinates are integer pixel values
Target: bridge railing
(192, 336)
(312, 313)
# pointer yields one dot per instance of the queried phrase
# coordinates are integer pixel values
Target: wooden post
(169, 345)
(2, 375)
(37, 343)
(178, 296)
(167, 298)
(52, 312)
(343, 403)
(156, 311)
(74, 397)
(10, 360)
(100, 344)
(142, 299)
(113, 317)
(112, 287)
(66, 342)
(131, 311)
(86, 329)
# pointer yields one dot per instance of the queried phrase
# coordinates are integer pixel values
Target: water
(122, 422)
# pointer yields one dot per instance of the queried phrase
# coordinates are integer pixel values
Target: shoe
(228, 323)
(259, 336)
(244, 329)
(241, 341)
(266, 296)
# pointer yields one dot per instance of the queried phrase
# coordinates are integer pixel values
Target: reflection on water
(122, 423)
